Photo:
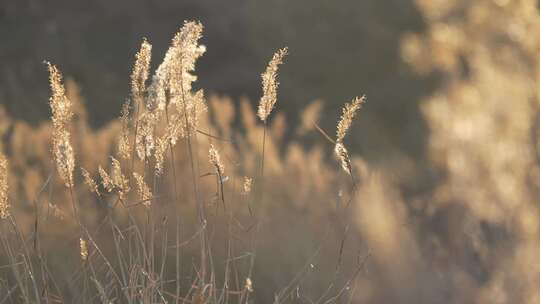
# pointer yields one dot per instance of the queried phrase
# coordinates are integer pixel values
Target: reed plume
(124, 148)
(270, 85)
(139, 75)
(61, 116)
(343, 156)
(144, 139)
(145, 195)
(174, 74)
(171, 89)
(90, 183)
(116, 181)
(349, 111)
(4, 194)
(345, 122)
(215, 160)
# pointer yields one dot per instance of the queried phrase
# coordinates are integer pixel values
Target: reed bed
(166, 204)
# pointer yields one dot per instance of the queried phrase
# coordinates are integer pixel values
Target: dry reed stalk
(124, 148)
(143, 138)
(139, 75)
(116, 181)
(172, 87)
(345, 122)
(145, 195)
(349, 111)
(90, 183)
(61, 117)
(215, 160)
(4, 194)
(270, 85)
(343, 156)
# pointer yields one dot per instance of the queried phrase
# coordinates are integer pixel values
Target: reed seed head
(124, 148)
(90, 183)
(143, 190)
(116, 181)
(343, 156)
(144, 141)
(349, 111)
(140, 71)
(270, 85)
(215, 160)
(174, 74)
(4, 194)
(61, 116)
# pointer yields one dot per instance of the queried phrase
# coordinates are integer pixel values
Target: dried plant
(61, 117)
(145, 195)
(90, 183)
(124, 147)
(116, 181)
(140, 72)
(215, 160)
(152, 121)
(4, 189)
(343, 156)
(349, 111)
(144, 140)
(270, 85)
(345, 122)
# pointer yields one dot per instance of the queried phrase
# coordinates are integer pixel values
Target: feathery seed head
(106, 180)
(124, 148)
(4, 200)
(349, 111)
(143, 190)
(64, 156)
(159, 155)
(174, 73)
(140, 71)
(90, 183)
(116, 181)
(215, 160)
(343, 156)
(120, 182)
(61, 116)
(60, 104)
(270, 85)
(144, 141)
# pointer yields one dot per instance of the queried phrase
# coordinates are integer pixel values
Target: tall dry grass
(166, 203)
(213, 226)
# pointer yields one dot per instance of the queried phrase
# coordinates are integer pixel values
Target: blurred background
(447, 145)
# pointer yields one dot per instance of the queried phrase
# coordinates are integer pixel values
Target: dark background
(338, 49)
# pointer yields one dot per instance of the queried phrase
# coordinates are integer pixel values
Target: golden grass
(468, 232)
(164, 252)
